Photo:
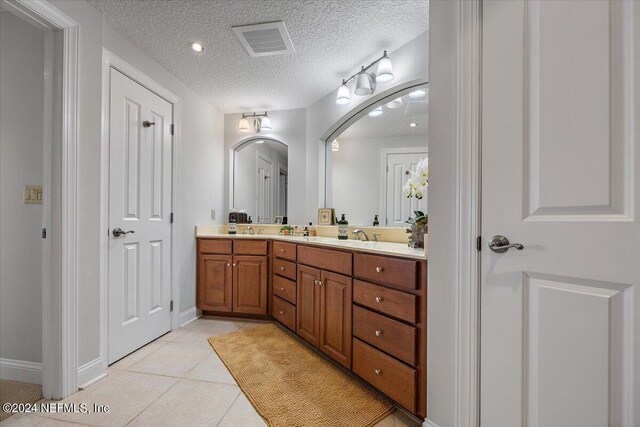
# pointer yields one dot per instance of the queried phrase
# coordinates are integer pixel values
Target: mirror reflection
(260, 181)
(369, 164)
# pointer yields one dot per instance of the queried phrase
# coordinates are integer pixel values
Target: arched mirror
(369, 163)
(260, 181)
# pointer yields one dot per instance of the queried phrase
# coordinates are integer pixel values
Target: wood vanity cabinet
(324, 302)
(232, 276)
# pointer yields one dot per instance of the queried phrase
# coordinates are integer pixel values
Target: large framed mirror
(260, 180)
(369, 162)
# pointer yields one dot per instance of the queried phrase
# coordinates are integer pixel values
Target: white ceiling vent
(267, 39)
(416, 108)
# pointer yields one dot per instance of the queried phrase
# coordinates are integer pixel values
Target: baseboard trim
(90, 372)
(428, 423)
(21, 370)
(188, 316)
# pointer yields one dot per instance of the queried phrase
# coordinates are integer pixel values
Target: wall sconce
(366, 80)
(260, 122)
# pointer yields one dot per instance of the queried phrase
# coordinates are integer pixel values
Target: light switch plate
(33, 194)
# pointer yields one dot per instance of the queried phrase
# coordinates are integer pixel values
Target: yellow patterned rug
(17, 392)
(290, 385)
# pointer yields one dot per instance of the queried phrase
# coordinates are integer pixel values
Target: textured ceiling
(332, 38)
(392, 122)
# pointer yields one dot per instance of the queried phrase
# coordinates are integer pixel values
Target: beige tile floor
(176, 380)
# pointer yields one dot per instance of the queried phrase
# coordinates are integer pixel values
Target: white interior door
(139, 202)
(398, 207)
(560, 318)
(264, 190)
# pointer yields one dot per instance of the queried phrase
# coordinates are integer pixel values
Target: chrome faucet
(357, 233)
(250, 230)
(375, 236)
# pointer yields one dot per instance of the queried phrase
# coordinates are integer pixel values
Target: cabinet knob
(379, 269)
(234, 264)
(281, 251)
(378, 371)
(282, 289)
(281, 268)
(228, 264)
(281, 311)
(379, 299)
(378, 333)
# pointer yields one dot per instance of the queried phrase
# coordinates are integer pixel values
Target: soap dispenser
(376, 222)
(343, 225)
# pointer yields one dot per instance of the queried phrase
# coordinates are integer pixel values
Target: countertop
(386, 248)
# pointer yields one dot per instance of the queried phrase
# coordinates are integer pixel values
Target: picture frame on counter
(326, 216)
(279, 220)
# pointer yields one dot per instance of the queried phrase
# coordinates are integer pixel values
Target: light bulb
(344, 97)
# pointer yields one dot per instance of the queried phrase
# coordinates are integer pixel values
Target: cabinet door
(308, 304)
(335, 316)
(214, 282)
(250, 284)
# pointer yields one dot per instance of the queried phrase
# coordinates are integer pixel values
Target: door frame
(384, 158)
(111, 60)
(59, 314)
(455, 144)
(269, 160)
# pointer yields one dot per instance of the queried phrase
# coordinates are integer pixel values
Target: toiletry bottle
(343, 225)
(233, 226)
(305, 233)
(375, 221)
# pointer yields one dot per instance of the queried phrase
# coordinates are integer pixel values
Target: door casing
(110, 60)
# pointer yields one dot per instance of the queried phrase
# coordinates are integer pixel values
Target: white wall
(21, 163)
(289, 128)
(201, 165)
(355, 174)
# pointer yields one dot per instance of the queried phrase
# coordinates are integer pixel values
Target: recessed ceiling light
(375, 113)
(196, 46)
(418, 93)
(413, 125)
(260, 141)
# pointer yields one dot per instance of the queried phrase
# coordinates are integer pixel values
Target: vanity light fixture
(260, 122)
(196, 46)
(420, 93)
(366, 80)
(396, 103)
(335, 145)
(376, 112)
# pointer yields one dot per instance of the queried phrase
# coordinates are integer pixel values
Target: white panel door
(398, 207)
(140, 204)
(560, 318)
(264, 190)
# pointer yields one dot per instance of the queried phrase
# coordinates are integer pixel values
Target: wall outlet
(213, 214)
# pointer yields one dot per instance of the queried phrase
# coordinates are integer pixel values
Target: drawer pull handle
(281, 268)
(379, 299)
(378, 333)
(282, 289)
(281, 251)
(379, 269)
(378, 371)
(281, 311)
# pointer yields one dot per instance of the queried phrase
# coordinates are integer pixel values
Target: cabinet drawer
(284, 250)
(284, 268)
(386, 270)
(398, 304)
(391, 377)
(284, 288)
(390, 336)
(250, 247)
(284, 313)
(208, 246)
(326, 259)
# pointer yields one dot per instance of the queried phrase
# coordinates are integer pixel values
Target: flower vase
(417, 235)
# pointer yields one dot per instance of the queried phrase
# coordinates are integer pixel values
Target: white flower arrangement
(418, 182)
